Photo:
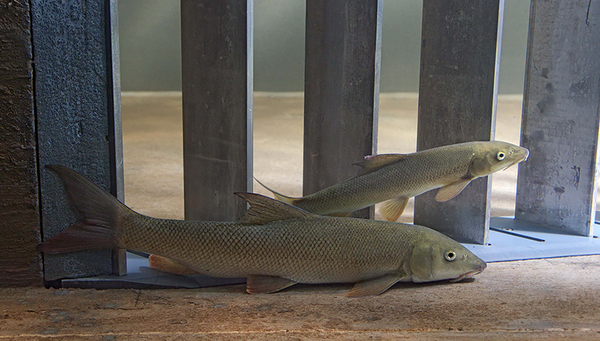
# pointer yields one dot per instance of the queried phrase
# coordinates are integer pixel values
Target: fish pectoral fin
(450, 191)
(392, 209)
(374, 162)
(259, 284)
(375, 286)
(264, 210)
(169, 265)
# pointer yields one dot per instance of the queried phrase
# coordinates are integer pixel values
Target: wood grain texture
(77, 113)
(20, 262)
(557, 185)
(217, 107)
(457, 93)
(342, 71)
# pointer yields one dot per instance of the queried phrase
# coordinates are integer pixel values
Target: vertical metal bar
(557, 185)
(216, 38)
(20, 262)
(117, 184)
(77, 124)
(343, 57)
(458, 84)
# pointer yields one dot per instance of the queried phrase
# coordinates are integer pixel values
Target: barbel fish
(274, 246)
(393, 178)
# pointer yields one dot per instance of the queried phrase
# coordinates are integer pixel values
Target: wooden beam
(216, 39)
(78, 117)
(341, 89)
(557, 185)
(457, 93)
(20, 262)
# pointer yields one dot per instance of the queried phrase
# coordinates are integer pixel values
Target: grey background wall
(151, 44)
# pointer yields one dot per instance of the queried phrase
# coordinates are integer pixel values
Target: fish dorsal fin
(259, 284)
(451, 190)
(264, 209)
(392, 209)
(374, 162)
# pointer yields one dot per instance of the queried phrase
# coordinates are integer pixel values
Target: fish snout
(525, 154)
(477, 269)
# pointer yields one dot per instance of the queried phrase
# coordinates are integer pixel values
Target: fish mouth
(521, 159)
(467, 275)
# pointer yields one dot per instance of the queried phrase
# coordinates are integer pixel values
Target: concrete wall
(151, 43)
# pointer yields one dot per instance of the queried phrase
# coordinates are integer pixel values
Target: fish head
(490, 157)
(437, 257)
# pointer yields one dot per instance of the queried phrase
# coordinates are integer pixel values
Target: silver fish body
(394, 178)
(274, 245)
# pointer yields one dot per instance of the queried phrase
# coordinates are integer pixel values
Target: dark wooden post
(216, 41)
(20, 262)
(341, 89)
(78, 117)
(557, 185)
(457, 99)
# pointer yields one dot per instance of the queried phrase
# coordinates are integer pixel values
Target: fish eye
(500, 156)
(450, 256)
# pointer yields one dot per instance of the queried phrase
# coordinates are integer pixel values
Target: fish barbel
(394, 178)
(275, 245)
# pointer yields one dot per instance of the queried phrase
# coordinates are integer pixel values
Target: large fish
(394, 178)
(274, 245)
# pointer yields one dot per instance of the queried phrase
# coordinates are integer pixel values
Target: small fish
(274, 246)
(394, 178)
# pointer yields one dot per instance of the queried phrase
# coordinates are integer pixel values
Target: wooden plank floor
(540, 299)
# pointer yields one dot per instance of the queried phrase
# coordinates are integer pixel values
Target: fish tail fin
(279, 196)
(101, 215)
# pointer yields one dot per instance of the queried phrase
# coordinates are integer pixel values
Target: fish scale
(309, 250)
(415, 174)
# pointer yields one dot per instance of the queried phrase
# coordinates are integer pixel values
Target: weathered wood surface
(457, 94)
(20, 262)
(78, 113)
(343, 57)
(216, 39)
(557, 185)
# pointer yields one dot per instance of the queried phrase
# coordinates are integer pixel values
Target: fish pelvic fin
(101, 213)
(259, 284)
(169, 265)
(451, 190)
(264, 210)
(375, 286)
(279, 196)
(373, 163)
(392, 209)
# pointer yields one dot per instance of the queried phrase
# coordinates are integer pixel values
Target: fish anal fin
(264, 210)
(451, 190)
(260, 284)
(286, 199)
(392, 209)
(169, 265)
(375, 162)
(375, 286)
